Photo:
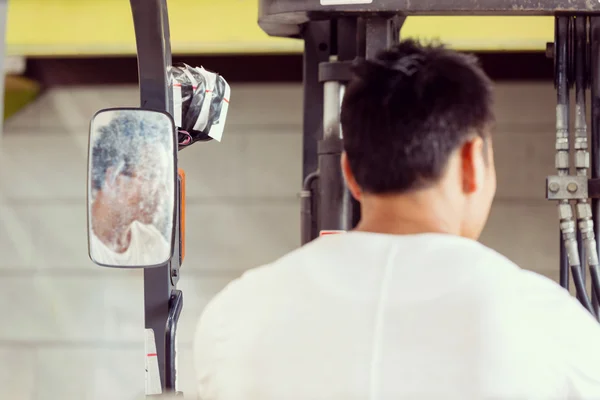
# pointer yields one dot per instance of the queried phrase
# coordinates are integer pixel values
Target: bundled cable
(201, 102)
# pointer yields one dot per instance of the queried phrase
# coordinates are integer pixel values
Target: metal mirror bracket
(162, 303)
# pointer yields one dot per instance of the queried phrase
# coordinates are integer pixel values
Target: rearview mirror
(132, 188)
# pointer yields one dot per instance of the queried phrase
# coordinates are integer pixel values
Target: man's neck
(422, 212)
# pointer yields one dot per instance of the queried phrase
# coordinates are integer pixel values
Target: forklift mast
(336, 32)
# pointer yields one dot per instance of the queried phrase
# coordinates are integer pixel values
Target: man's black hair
(119, 142)
(405, 112)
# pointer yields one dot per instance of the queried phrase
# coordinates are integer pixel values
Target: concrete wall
(74, 331)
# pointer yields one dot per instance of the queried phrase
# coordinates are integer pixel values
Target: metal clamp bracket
(337, 71)
(330, 145)
(566, 187)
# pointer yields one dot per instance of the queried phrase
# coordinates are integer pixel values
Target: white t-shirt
(363, 316)
(147, 247)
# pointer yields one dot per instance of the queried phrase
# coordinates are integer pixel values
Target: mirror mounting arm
(152, 36)
(151, 24)
(176, 304)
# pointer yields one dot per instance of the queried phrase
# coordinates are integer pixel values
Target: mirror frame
(176, 195)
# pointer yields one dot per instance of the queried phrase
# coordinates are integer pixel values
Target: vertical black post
(316, 50)
(564, 263)
(151, 25)
(377, 35)
(152, 35)
(580, 45)
(595, 99)
(351, 41)
(347, 38)
(382, 32)
(317, 46)
(562, 88)
(337, 208)
(361, 37)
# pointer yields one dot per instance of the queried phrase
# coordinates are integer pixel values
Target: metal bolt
(572, 187)
(554, 187)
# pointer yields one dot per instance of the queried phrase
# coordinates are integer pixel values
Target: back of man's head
(407, 111)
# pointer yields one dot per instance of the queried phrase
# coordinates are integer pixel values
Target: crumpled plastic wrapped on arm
(201, 103)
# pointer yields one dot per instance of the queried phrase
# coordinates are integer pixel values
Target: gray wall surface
(72, 330)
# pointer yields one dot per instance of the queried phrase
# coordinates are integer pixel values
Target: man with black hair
(129, 166)
(408, 305)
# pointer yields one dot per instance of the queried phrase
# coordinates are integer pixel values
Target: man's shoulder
(463, 251)
(256, 278)
(263, 279)
(524, 282)
(148, 229)
(238, 298)
(498, 270)
(544, 294)
(149, 233)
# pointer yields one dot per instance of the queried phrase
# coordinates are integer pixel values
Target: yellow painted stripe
(99, 27)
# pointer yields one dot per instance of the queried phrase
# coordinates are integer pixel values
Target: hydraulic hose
(562, 161)
(580, 288)
(582, 160)
(564, 263)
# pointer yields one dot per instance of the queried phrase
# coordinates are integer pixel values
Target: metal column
(595, 121)
(334, 45)
(382, 32)
(560, 47)
(162, 303)
(336, 205)
(317, 45)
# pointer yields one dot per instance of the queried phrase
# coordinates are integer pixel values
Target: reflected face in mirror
(137, 190)
(132, 188)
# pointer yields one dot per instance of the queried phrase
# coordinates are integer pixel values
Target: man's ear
(109, 177)
(473, 164)
(349, 178)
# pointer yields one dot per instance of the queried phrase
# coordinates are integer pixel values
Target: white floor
(74, 331)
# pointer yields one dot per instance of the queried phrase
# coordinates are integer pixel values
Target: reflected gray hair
(117, 143)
